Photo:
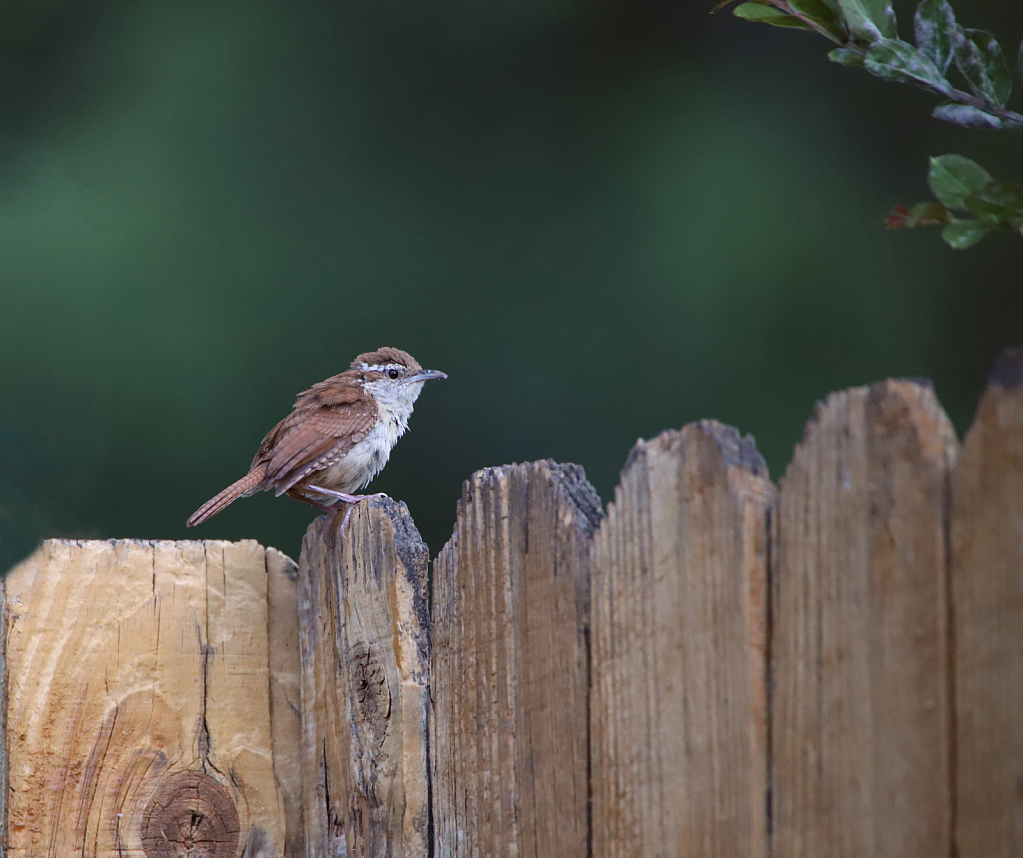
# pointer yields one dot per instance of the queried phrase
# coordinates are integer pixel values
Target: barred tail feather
(245, 486)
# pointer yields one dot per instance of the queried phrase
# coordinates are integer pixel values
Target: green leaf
(928, 214)
(960, 236)
(980, 59)
(966, 115)
(814, 9)
(821, 14)
(896, 60)
(889, 27)
(952, 178)
(868, 20)
(768, 15)
(846, 57)
(934, 26)
(1004, 200)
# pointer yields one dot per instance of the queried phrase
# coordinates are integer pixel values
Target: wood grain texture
(139, 701)
(365, 660)
(861, 706)
(286, 693)
(679, 631)
(987, 576)
(509, 696)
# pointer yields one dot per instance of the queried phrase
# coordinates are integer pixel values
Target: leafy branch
(866, 35)
(962, 185)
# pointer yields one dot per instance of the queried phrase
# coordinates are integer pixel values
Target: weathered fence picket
(830, 669)
(510, 672)
(861, 717)
(678, 704)
(144, 711)
(987, 598)
(365, 666)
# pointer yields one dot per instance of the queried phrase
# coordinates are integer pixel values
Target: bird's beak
(426, 375)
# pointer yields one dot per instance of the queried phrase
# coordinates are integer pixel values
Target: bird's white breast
(367, 458)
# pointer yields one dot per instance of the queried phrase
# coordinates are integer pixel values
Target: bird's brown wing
(310, 439)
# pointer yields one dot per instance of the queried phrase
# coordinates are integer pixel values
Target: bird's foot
(349, 500)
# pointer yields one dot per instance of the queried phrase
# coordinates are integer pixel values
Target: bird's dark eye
(393, 373)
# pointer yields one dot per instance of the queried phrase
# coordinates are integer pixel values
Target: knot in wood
(191, 815)
(371, 693)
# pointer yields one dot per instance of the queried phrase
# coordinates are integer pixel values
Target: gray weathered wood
(509, 695)
(987, 575)
(365, 662)
(861, 711)
(679, 619)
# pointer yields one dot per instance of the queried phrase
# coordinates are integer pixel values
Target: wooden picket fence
(716, 666)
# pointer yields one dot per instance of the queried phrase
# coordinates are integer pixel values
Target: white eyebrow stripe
(377, 367)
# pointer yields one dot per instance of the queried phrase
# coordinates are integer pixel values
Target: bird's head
(393, 377)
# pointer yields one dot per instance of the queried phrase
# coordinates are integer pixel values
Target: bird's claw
(349, 500)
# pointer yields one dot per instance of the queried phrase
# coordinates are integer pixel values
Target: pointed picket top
(861, 716)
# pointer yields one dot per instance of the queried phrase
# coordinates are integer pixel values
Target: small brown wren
(337, 438)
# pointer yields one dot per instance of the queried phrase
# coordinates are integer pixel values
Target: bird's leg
(348, 515)
(327, 509)
(345, 497)
(350, 500)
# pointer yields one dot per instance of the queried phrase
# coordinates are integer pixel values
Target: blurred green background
(601, 218)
